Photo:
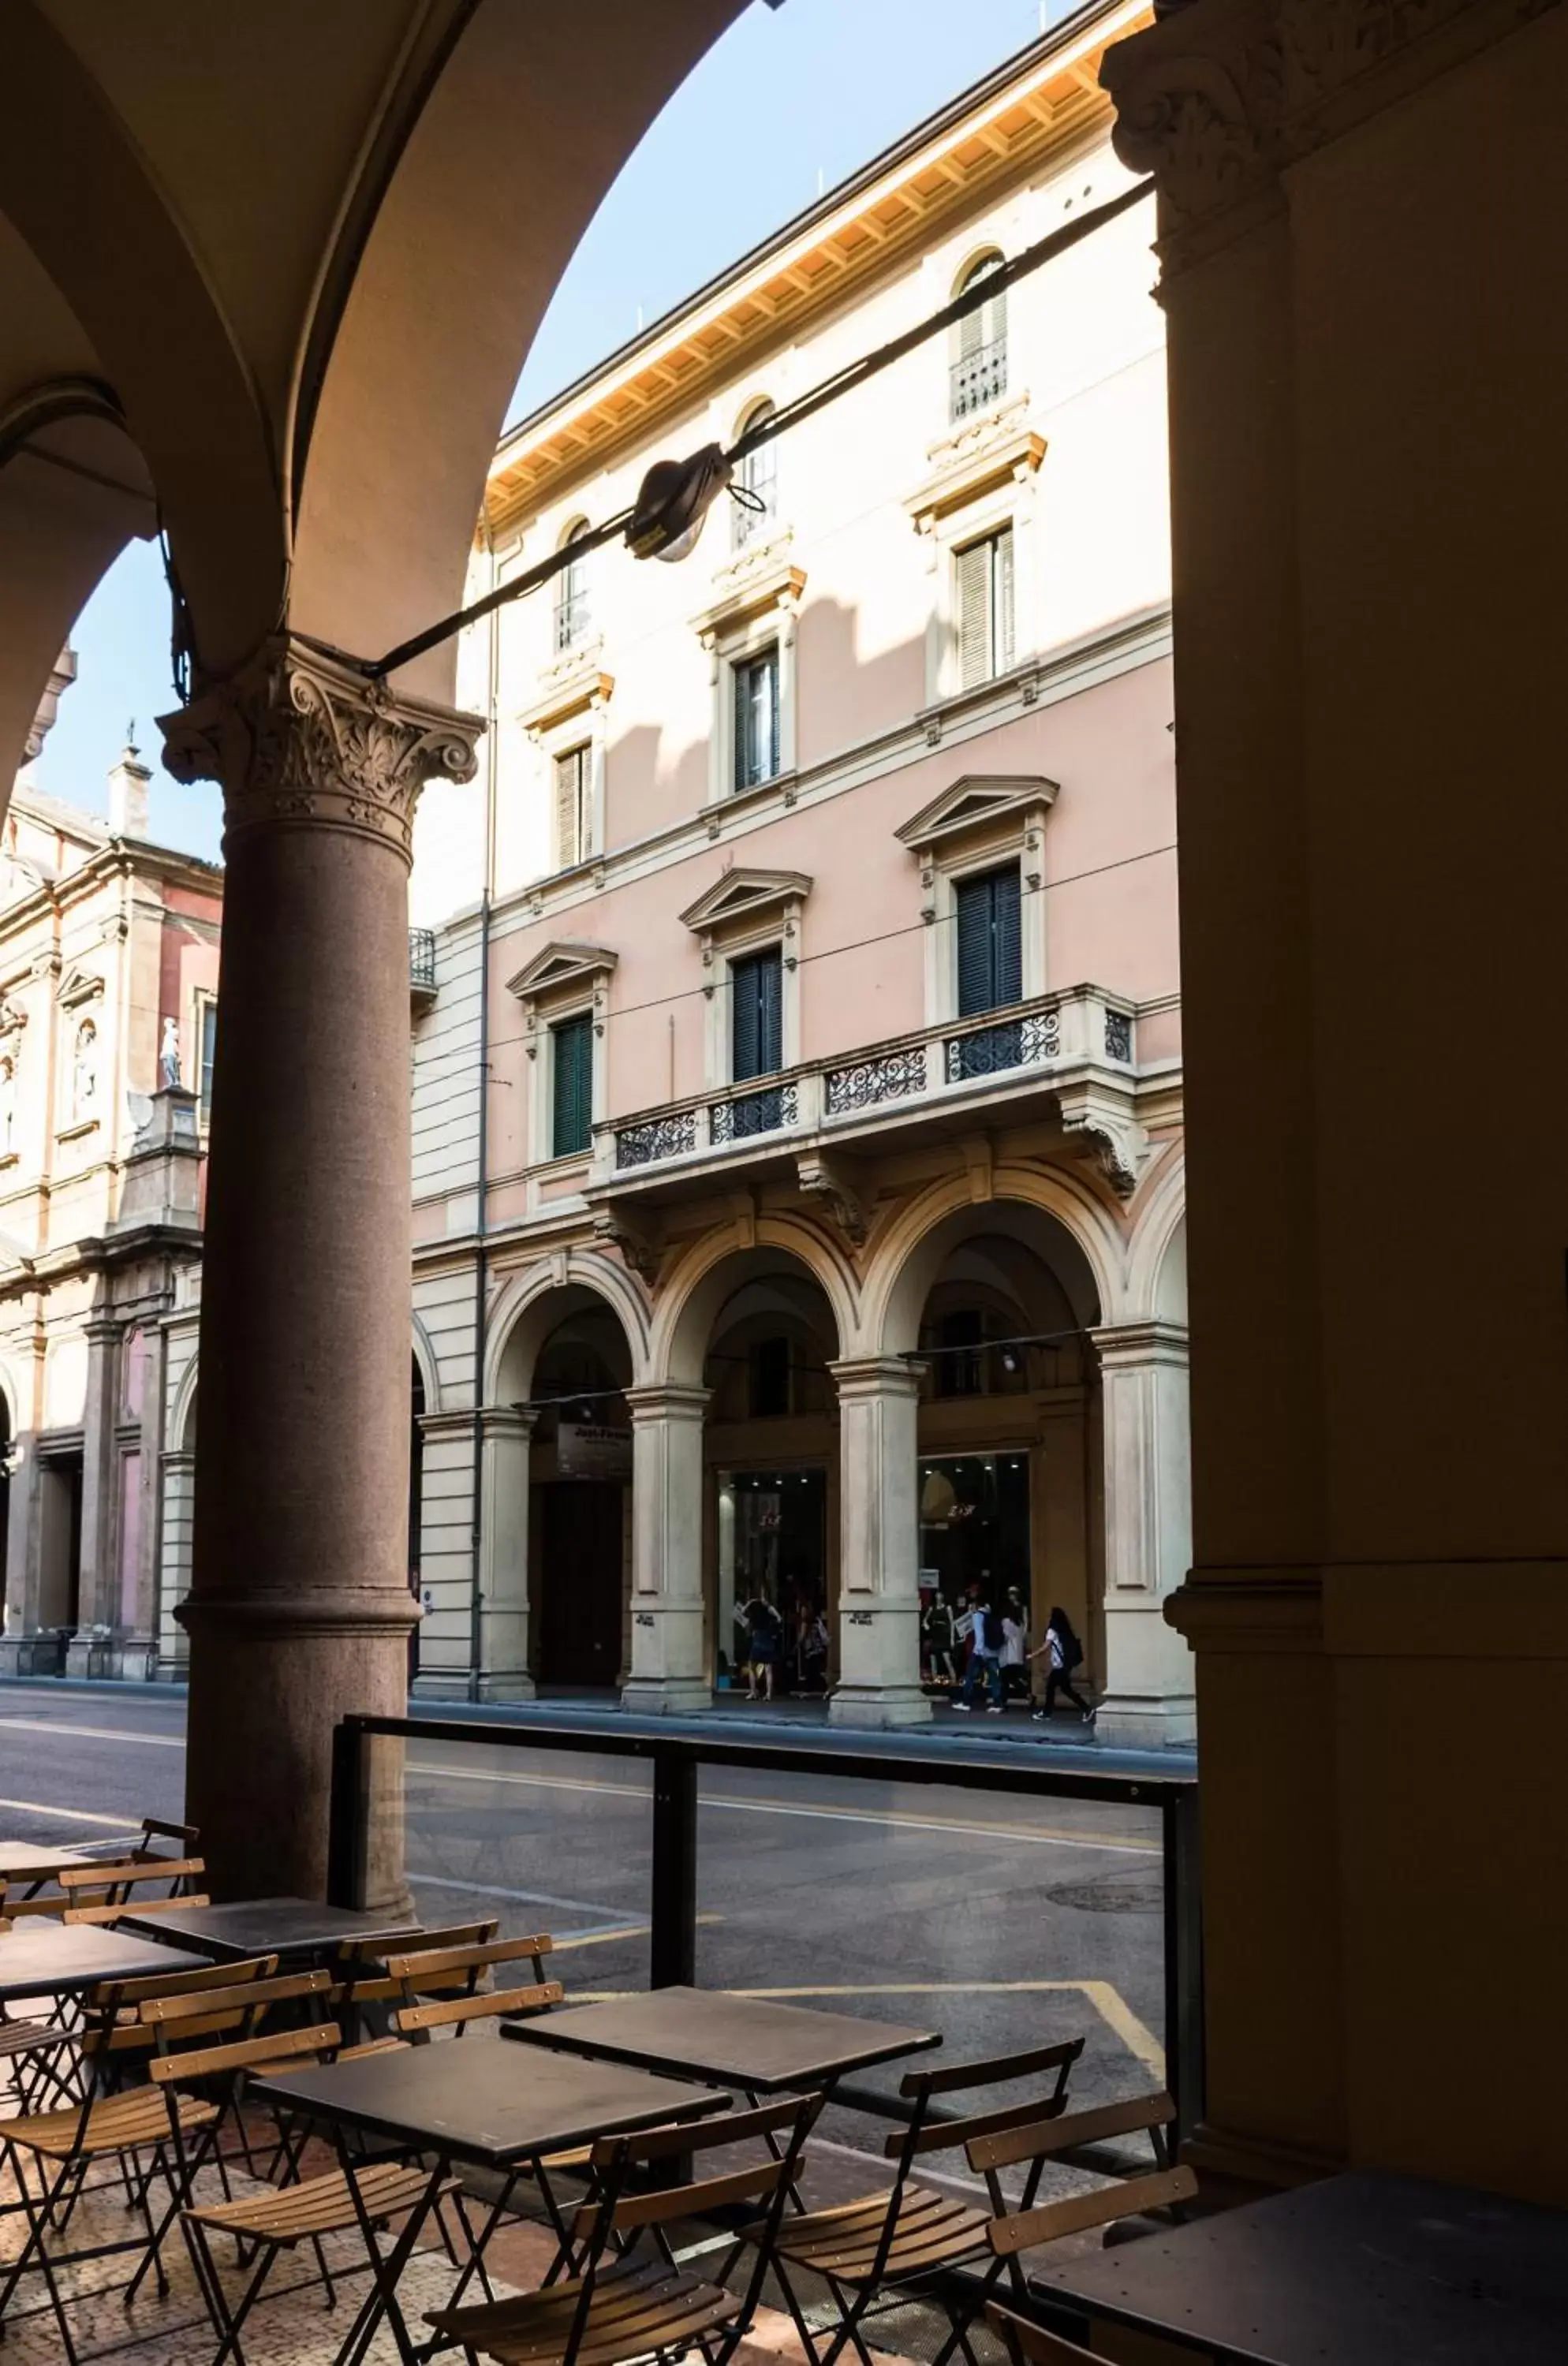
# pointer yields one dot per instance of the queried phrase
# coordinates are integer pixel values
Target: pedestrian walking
(1015, 1645)
(985, 1641)
(1062, 1652)
(936, 1629)
(765, 1632)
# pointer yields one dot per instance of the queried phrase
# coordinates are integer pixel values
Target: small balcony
(421, 968)
(1076, 1050)
(979, 379)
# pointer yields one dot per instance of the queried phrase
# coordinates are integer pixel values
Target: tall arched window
(757, 476)
(979, 370)
(572, 595)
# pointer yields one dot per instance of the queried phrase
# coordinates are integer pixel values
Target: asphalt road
(1001, 1923)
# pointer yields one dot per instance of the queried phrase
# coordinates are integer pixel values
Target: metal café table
(747, 2042)
(478, 2102)
(295, 1930)
(1368, 2269)
(44, 1958)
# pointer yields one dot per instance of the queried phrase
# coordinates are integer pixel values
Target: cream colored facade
(108, 976)
(906, 1303)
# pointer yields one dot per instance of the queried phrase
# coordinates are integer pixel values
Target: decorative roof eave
(744, 895)
(978, 802)
(567, 963)
(1045, 109)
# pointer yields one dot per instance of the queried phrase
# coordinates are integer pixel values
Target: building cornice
(1037, 107)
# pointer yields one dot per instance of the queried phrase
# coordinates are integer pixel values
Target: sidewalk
(802, 1724)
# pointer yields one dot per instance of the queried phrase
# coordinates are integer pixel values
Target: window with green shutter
(574, 831)
(985, 608)
(208, 1058)
(756, 718)
(756, 987)
(990, 955)
(571, 1082)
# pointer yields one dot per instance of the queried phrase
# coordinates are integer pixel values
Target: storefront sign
(587, 1449)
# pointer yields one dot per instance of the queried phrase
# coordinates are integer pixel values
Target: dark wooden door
(578, 1591)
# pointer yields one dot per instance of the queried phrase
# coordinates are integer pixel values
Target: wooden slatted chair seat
(30, 2037)
(932, 2230)
(637, 2305)
(137, 2116)
(319, 2206)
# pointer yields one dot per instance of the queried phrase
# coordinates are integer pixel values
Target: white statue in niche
(84, 1070)
(7, 1106)
(169, 1055)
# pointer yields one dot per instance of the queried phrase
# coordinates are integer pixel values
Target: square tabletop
(30, 1861)
(289, 1928)
(473, 2098)
(44, 1958)
(1368, 2268)
(748, 2042)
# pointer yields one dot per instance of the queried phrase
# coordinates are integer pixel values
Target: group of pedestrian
(993, 1646)
(767, 1643)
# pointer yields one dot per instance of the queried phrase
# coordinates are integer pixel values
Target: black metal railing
(422, 961)
(979, 379)
(672, 1835)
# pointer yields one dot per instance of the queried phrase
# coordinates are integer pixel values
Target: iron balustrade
(673, 1849)
(980, 378)
(422, 961)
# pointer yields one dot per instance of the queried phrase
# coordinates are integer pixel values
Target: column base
(665, 1695)
(504, 1685)
(1136, 1721)
(878, 1705)
(31, 1655)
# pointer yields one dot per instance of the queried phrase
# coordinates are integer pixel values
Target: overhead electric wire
(848, 380)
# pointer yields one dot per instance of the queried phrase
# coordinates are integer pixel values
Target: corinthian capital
(299, 741)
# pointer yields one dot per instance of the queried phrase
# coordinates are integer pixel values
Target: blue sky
(787, 104)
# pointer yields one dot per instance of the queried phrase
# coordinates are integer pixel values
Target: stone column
(97, 1591)
(1148, 1698)
(506, 1438)
(299, 1608)
(879, 1597)
(669, 1641)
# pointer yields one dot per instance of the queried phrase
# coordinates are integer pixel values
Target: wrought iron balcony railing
(1083, 1030)
(979, 379)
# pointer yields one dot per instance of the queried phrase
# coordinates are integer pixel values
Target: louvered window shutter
(743, 681)
(974, 947)
(571, 1047)
(757, 1032)
(975, 614)
(1007, 973)
(1001, 594)
(571, 807)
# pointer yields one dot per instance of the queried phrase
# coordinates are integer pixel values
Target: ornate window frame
(573, 713)
(759, 609)
(568, 979)
(79, 999)
(746, 911)
(980, 822)
(985, 476)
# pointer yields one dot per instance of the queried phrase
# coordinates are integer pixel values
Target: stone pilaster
(879, 1597)
(97, 1595)
(1148, 1698)
(299, 1608)
(505, 1440)
(669, 1668)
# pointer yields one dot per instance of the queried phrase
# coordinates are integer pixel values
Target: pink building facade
(797, 1096)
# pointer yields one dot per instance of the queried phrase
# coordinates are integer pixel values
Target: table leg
(382, 2301)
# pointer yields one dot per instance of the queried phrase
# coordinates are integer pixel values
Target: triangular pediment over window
(745, 896)
(980, 800)
(566, 963)
(78, 987)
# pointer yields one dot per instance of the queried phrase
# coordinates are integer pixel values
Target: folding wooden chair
(113, 1885)
(624, 2303)
(457, 1977)
(158, 1907)
(1032, 2345)
(359, 1991)
(1080, 2214)
(1138, 2114)
(266, 2225)
(912, 2233)
(134, 2128)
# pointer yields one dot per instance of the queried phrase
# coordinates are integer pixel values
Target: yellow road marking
(1108, 2002)
(603, 1938)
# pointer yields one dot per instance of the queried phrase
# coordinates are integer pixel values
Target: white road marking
(77, 1815)
(44, 1727)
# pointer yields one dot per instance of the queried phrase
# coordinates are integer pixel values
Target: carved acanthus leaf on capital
(299, 738)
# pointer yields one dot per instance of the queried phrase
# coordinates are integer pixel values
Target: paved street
(1003, 1922)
